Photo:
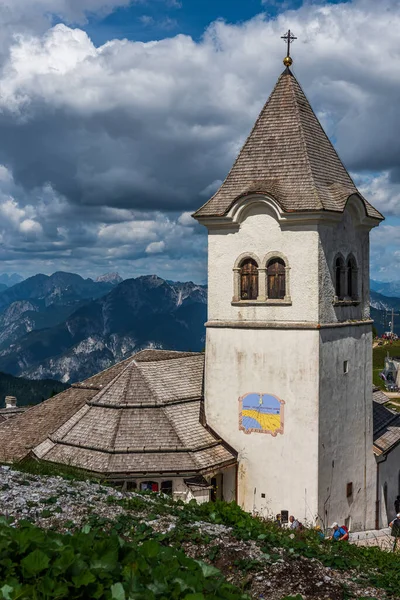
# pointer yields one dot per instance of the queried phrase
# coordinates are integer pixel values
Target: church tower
(288, 379)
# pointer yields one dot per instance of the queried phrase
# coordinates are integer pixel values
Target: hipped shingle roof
(289, 157)
(142, 418)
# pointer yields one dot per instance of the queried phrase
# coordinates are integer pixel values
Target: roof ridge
(303, 139)
(77, 383)
(324, 133)
(113, 380)
(171, 422)
(284, 73)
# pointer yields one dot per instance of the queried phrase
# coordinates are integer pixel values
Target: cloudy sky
(118, 118)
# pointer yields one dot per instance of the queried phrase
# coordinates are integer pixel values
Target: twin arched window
(275, 285)
(346, 278)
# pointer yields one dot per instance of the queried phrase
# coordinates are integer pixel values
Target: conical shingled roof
(145, 420)
(288, 156)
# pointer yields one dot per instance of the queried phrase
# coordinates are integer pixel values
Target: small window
(166, 487)
(385, 495)
(349, 489)
(150, 486)
(352, 283)
(339, 271)
(276, 279)
(249, 280)
(345, 366)
(131, 485)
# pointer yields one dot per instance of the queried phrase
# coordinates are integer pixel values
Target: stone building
(387, 454)
(289, 336)
(284, 421)
(138, 423)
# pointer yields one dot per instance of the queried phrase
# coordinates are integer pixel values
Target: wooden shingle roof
(289, 157)
(386, 426)
(141, 416)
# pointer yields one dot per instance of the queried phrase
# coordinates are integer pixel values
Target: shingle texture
(288, 155)
(140, 416)
(386, 426)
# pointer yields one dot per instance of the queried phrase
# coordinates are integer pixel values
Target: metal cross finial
(288, 37)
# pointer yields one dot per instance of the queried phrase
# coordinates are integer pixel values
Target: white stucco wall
(327, 439)
(389, 472)
(345, 427)
(285, 364)
(259, 234)
(229, 484)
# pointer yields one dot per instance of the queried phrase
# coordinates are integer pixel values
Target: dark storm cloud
(105, 147)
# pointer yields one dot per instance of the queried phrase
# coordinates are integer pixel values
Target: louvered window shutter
(276, 275)
(249, 280)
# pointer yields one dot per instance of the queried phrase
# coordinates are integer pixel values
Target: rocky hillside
(44, 301)
(213, 551)
(138, 313)
(381, 302)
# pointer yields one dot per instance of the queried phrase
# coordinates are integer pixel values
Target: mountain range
(67, 328)
(387, 288)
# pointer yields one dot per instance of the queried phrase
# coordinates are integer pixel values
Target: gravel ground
(61, 504)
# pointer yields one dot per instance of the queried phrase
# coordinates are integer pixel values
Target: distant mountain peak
(109, 278)
(10, 280)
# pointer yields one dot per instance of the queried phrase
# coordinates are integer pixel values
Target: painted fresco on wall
(261, 413)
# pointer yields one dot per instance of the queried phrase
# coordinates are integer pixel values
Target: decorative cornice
(237, 214)
(310, 325)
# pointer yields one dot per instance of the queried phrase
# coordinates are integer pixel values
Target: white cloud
(106, 146)
(30, 228)
(155, 247)
(383, 193)
(186, 220)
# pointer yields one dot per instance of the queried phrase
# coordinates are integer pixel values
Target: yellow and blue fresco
(262, 413)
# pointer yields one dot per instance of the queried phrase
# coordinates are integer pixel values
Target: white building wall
(259, 234)
(327, 438)
(389, 473)
(345, 427)
(279, 362)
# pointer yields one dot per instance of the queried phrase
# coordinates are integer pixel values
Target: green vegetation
(47, 469)
(378, 358)
(28, 391)
(372, 565)
(35, 564)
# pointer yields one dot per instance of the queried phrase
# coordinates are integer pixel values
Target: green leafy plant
(42, 564)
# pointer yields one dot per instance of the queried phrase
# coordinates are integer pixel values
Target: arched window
(339, 283)
(352, 283)
(385, 495)
(249, 279)
(276, 279)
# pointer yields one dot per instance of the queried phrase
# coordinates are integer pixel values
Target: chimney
(11, 402)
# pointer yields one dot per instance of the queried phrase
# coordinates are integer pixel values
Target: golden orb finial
(289, 38)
